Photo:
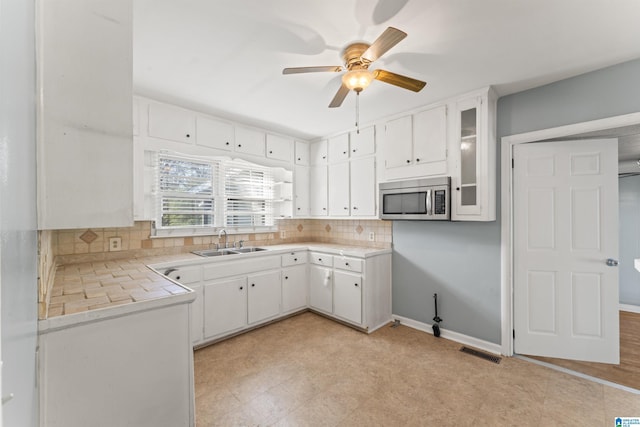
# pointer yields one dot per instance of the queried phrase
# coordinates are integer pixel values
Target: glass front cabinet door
(474, 186)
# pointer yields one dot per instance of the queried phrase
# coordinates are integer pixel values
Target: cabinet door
(249, 141)
(318, 191)
(398, 139)
(264, 296)
(225, 306)
(339, 189)
(321, 289)
(339, 148)
(173, 124)
(279, 148)
(197, 314)
(468, 162)
(302, 153)
(318, 152)
(294, 288)
(347, 296)
(430, 136)
(214, 134)
(363, 187)
(363, 143)
(301, 189)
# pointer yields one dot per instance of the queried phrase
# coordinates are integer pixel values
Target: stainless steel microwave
(417, 199)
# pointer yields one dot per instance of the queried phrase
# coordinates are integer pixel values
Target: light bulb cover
(357, 80)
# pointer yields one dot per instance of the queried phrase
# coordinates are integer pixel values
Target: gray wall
(629, 190)
(18, 246)
(461, 261)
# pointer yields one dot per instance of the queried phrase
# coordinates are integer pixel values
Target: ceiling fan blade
(391, 37)
(399, 80)
(298, 70)
(340, 96)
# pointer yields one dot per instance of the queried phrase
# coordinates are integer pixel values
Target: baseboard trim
(451, 335)
(630, 308)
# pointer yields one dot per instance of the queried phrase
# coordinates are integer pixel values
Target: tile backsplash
(86, 245)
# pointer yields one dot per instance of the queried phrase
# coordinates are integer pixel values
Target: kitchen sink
(215, 252)
(221, 252)
(247, 250)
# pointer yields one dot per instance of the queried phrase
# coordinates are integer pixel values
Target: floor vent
(481, 354)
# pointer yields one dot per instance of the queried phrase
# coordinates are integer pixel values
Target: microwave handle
(428, 200)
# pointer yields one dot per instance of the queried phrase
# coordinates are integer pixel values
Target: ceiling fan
(357, 59)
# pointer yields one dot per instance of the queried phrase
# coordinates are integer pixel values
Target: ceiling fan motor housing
(352, 56)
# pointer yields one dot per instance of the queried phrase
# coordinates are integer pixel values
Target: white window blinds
(248, 192)
(201, 193)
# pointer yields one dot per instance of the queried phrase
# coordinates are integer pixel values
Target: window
(199, 193)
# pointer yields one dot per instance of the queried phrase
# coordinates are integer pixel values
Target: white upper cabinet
(398, 141)
(473, 143)
(318, 152)
(339, 189)
(172, 123)
(416, 145)
(301, 191)
(363, 187)
(250, 141)
(363, 143)
(339, 148)
(85, 118)
(279, 148)
(302, 153)
(318, 203)
(214, 134)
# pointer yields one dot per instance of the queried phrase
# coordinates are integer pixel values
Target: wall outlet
(372, 236)
(115, 244)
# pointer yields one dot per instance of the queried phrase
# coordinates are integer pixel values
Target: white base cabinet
(263, 301)
(225, 304)
(321, 289)
(294, 288)
(347, 289)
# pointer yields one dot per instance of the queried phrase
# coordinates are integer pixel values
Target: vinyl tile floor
(310, 371)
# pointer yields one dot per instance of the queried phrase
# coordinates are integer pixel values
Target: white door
(347, 296)
(225, 306)
(320, 288)
(565, 230)
(264, 296)
(363, 187)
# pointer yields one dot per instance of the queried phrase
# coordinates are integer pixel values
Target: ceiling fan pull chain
(358, 112)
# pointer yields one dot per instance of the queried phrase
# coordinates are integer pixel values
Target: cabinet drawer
(236, 268)
(183, 275)
(294, 258)
(321, 259)
(345, 263)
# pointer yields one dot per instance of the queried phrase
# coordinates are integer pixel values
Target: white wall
(18, 237)
(629, 191)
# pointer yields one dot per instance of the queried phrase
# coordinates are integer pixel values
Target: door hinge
(513, 163)
(514, 334)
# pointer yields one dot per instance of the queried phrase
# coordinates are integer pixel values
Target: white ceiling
(225, 57)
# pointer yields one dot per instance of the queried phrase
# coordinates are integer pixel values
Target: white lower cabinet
(294, 288)
(347, 296)
(197, 315)
(263, 301)
(321, 288)
(225, 307)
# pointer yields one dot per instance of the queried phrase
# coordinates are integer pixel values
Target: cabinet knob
(239, 145)
(253, 285)
(241, 287)
(354, 150)
(298, 208)
(346, 263)
(188, 136)
(298, 158)
(356, 285)
(408, 161)
(226, 143)
(417, 160)
(457, 188)
(286, 277)
(355, 207)
(324, 157)
(344, 152)
(270, 152)
(324, 209)
(295, 259)
(346, 208)
(177, 277)
(319, 259)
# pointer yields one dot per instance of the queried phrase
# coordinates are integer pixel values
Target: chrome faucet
(225, 237)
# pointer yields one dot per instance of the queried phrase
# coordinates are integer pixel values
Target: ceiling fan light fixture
(357, 80)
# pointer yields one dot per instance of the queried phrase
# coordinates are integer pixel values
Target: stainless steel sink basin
(214, 252)
(221, 252)
(247, 250)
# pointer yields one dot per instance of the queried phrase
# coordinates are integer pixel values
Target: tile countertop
(129, 285)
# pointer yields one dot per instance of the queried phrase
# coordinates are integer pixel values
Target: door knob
(612, 262)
